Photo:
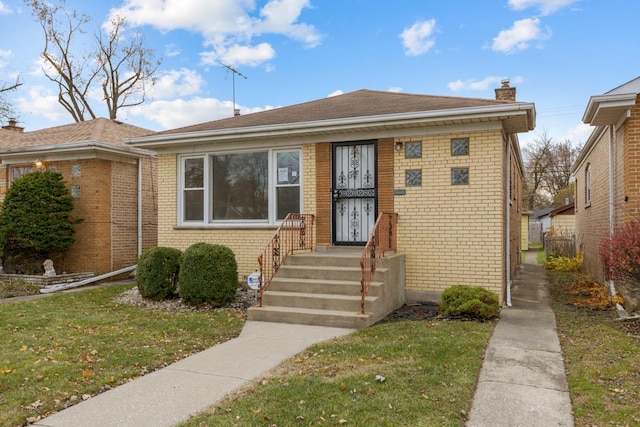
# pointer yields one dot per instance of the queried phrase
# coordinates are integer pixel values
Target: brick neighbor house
(113, 185)
(450, 168)
(606, 171)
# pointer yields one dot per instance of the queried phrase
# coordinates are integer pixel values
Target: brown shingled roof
(96, 130)
(361, 103)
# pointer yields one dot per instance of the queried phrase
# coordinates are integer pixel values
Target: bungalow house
(447, 169)
(113, 185)
(606, 172)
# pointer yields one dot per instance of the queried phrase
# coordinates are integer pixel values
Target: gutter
(612, 286)
(140, 194)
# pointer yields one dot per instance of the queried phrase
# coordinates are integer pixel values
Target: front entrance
(354, 187)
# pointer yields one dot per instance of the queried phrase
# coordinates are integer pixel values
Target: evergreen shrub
(208, 275)
(157, 273)
(470, 302)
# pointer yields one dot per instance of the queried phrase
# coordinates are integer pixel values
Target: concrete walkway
(523, 381)
(175, 393)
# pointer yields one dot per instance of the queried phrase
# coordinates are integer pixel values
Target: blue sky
(557, 53)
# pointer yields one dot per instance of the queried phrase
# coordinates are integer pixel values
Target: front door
(354, 192)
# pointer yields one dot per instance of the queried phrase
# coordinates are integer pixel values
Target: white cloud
(176, 83)
(519, 37)
(172, 50)
(418, 39)
(395, 89)
(546, 7)
(180, 112)
(240, 55)
(4, 55)
(579, 134)
(335, 93)
(226, 25)
(472, 84)
(41, 101)
(4, 9)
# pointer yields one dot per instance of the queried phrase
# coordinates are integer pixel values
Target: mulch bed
(414, 311)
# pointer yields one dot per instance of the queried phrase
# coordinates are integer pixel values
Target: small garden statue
(49, 271)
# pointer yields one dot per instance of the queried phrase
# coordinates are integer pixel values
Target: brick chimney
(13, 125)
(505, 92)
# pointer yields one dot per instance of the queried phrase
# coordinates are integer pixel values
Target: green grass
(601, 360)
(430, 370)
(57, 349)
(541, 257)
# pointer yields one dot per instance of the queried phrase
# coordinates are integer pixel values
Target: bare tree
(119, 67)
(6, 109)
(537, 162)
(548, 171)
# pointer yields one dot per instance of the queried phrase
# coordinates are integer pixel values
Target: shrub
(561, 263)
(157, 273)
(208, 274)
(620, 253)
(469, 301)
(587, 292)
(36, 221)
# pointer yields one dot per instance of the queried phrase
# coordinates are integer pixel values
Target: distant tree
(548, 171)
(119, 67)
(36, 221)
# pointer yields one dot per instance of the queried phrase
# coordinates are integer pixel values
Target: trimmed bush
(469, 301)
(157, 273)
(208, 275)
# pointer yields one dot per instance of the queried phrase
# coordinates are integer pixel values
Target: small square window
(76, 170)
(413, 177)
(413, 150)
(75, 191)
(459, 176)
(460, 147)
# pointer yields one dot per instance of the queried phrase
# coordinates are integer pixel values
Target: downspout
(612, 287)
(508, 242)
(139, 206)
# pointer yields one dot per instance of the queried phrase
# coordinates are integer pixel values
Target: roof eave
(524, 111)
(74, 148)
(607, 109)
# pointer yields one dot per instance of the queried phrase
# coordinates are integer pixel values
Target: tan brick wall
(453, 234)
(149, 203)
(592, 220)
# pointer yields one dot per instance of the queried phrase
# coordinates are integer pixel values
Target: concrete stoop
(323, 288)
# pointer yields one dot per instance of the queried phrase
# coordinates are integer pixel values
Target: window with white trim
(240, 188)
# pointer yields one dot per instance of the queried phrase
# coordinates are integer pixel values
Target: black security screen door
(354, 192)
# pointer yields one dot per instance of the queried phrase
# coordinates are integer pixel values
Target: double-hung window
(252, 187)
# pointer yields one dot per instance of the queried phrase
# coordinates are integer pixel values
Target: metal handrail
(294, 234)
(383, 238)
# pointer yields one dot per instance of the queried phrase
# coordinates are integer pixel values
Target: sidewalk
(523, 381)
(175, 393)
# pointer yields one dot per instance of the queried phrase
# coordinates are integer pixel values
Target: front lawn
(61, 349)
(407, 373)
(601, 359)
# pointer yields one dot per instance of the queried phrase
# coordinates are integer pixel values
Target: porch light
(399, 145)
(39, 164)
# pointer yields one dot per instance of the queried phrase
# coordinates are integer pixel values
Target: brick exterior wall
(450, 234)
(592, 220)
(454, 234)
(106, 240)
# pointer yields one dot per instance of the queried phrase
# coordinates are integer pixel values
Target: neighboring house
(524, 234)
(606, 171)
(113, 185)
(563, 220)
(449, 167)
(539, 223)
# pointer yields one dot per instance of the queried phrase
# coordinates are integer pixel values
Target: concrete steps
(323, 288)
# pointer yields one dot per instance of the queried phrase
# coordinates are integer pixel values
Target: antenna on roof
(233, 74)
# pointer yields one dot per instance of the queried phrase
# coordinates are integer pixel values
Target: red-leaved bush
(620, 253)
